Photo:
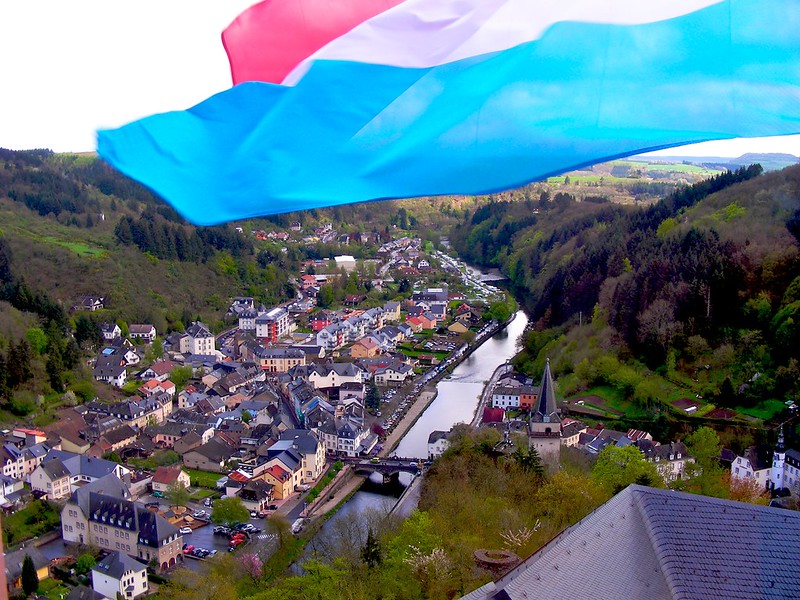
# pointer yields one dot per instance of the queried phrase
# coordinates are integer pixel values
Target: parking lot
(211, 544)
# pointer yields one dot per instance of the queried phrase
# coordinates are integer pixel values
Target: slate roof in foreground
(650, 543)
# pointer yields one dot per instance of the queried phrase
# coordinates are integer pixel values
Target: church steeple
(778, 457)
(545, 409)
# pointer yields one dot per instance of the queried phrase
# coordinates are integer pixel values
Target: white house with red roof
(166, 476)
(159, 370)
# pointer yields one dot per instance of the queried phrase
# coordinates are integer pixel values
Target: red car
(188, 549)
(236, 542)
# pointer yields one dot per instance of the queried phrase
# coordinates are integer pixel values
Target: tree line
(152, 232)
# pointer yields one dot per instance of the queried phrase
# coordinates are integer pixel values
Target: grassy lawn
(55, 590)
(78, 248)
(32, 521)
(589, 179)
(418, 353)
(204, 479)
(202, 494)
(704, 410)
(764, 410)
(681, 168)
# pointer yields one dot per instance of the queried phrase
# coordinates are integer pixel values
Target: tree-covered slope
(709, 275)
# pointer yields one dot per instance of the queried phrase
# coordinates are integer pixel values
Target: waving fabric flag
(436, 97)
(269, 39)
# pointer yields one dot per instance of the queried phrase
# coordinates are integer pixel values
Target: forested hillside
(75, 226)
(708, 277)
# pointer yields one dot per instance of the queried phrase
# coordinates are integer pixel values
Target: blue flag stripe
(350, 132)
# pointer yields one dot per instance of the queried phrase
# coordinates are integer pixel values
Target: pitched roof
(305, 440)
(80, 464)
(55, 469)
(117, 564)
(279, 473)
(435, 436)
(545, 408)
(215, 450)
(651, 543)
(166, 475)
(82, 592)
(15, 559)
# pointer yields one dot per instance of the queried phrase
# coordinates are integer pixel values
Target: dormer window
(679, 455)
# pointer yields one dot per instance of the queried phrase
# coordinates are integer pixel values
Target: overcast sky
(70, 68)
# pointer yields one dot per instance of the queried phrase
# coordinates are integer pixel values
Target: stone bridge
(387, 467)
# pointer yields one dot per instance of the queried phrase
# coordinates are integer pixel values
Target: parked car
(252, 514)
(207, 502)
(186, 530)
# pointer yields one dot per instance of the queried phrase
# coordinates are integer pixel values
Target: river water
(456, 401)
(458, 396)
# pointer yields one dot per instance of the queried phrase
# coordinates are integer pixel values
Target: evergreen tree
(5, 261)
(530, 461)
(87, 331)
(19, 364)
(4, 386)
(371, 551)
(373, 399)
(71, 354)
(30, 579)
(55, 368)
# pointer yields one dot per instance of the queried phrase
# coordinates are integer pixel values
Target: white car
(186, 530)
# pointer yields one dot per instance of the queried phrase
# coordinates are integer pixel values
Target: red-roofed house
(307, 282)
(166, 476)
(637, 434)
(415, 323)
(281, 479)
(364, 348)
(493, 415)
(154, 386)
(238, 476)
(158, 370)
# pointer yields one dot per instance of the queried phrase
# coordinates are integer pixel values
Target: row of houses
(118, 354)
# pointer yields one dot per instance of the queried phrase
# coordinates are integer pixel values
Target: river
(458, 395)
(456, 401)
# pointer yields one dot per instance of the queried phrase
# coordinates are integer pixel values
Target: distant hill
(60, 217)
(769, 161)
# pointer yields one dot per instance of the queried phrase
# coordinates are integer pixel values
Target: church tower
(545, 423)
(778, 458)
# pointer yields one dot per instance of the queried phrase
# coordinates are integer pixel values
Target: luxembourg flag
(342, 101)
